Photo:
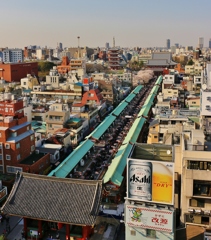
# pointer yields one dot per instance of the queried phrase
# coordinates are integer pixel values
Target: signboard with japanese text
(150, 181)
(150, 218)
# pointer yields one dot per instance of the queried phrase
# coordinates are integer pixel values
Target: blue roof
(115, 170)
(79, 84)
(137, 89)
(130, 97)
(72, 160)
(98, 132)
(119, 108)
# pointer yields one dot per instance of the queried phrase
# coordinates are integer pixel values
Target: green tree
(190, 62)
(45, 66)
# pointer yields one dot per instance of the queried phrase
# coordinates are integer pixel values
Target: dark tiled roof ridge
(67, 180)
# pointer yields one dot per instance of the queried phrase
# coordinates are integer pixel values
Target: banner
(159, 220)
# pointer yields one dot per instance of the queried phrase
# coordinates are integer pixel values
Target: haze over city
(132, 23)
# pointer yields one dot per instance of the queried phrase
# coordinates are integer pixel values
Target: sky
(133, 23)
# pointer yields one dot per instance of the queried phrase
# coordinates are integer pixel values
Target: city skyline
(132, 23)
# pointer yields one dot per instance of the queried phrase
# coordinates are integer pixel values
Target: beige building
(29, 82)
(193, 102)
(57, 116)
(194, 69)
(196, 179)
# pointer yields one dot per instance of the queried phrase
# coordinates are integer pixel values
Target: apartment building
(205, 104)
(17, 141)
(12, 55)
(58, 114)
(196, 179)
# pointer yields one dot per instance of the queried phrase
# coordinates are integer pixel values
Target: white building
(205, 95)
(13, 55)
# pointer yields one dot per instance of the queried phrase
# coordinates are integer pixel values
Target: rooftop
(33, 158)
(79, 205)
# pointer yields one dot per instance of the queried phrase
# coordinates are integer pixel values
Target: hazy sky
(140, 23)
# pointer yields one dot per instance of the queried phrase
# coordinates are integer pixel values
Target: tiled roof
(65, 200)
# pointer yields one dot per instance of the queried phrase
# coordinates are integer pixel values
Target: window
(0, 156)
(132, 232)
(196, 203)
(27, 127)
(155, 136)
(7, 146)
(151, 233)
(202, 188)
(8, 157)
(13, 169)
(18, 157)
(32, 137)
(32, 148)
(17, 145)
(198, 165)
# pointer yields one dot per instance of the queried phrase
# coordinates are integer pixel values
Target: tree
(190, 62)
(45, 66)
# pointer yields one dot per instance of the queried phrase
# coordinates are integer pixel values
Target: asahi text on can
(140, 180)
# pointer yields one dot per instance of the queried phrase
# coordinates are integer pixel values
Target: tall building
(210, 43)
(107, 45)
(60, 46)
(13, 55)
(168, 44)
(16, 137)
(201, 42)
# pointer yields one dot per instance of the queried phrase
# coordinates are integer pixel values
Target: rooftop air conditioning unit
(198, 211)
(191, 210)
(207, 212)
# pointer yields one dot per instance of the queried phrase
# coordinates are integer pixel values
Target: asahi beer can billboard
(150, 181)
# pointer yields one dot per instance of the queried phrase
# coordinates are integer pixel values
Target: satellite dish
(204, 86)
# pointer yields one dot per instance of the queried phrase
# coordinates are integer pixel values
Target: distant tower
(78, 47)
(60, 46)
(168, 45)
(113, 41)
(201, 42)
(210, 43)
(107, 45)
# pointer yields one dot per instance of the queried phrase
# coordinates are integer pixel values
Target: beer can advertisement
(150, 181)
(159, 220)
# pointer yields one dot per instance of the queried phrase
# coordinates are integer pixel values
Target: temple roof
(55, 199)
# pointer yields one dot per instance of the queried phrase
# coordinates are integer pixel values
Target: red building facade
(17, 141)
(13, 72)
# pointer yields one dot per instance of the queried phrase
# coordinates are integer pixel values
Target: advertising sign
(159, 220)
(150, 181)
